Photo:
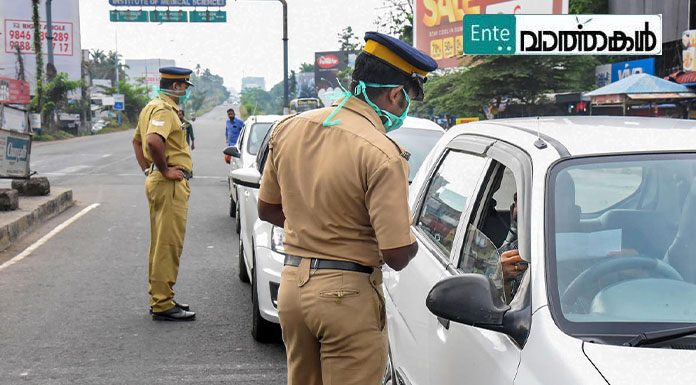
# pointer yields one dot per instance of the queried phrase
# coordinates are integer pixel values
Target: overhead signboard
(207, 16)
(168, 3)
(14, 91)
(119, 102)
(128, 16)
(168, 16)
(17, 30)
(438, 26)
(327, 65)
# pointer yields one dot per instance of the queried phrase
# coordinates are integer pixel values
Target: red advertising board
(438, 24)
(14, 91)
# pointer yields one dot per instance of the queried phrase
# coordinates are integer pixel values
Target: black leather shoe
(174, 314)
(181, 306)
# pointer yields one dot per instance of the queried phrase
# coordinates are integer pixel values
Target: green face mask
(182, 98)
(393, 122)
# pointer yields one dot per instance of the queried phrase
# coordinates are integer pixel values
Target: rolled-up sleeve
(387, 204)
(270, 188)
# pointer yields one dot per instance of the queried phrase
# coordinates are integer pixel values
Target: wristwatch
(146, 171)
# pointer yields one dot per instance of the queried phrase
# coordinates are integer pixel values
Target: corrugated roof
(639, 84)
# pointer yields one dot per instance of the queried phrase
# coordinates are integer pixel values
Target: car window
(262, 155)
(449, 192)
(418, 142)
(492, 231)
(595, 194)
(256, 135)
(631, 263)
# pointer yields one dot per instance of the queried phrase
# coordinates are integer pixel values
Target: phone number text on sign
(20, 33)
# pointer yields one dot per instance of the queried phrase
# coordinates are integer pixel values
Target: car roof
(264, 118)
(425, 124)
(586, 135)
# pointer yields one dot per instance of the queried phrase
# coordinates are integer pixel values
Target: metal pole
(49, 32)
(285, 55)
(118, 87)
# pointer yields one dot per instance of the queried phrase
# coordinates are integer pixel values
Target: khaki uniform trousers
(334, 326)
(168, 201)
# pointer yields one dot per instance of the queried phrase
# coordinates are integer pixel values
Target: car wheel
(233, 208)
(389, 377)
(237, 219)
(243, 276)
(261, 330)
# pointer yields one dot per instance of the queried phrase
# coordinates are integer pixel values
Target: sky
(249, 44)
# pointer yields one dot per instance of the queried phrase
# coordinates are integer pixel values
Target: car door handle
(444, 322)
(246, 193)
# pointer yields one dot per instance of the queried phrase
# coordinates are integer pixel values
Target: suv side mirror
(470, 299)
(232, 151)
(249, 177)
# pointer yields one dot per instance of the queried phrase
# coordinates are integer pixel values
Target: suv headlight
(277, 238)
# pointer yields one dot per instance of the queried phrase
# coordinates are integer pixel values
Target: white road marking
(73, 169)
(106, 155)
(47, 237)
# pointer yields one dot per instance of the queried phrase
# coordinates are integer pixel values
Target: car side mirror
(470, 299)
(249, 177)
(232, 151)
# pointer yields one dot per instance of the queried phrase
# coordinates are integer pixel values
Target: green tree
(55, 97)
(37, 103)
(257, 101)
(398, 20)
(135, 98)
(102, 65)
(306, 67)
(208, 92)
(348, 41)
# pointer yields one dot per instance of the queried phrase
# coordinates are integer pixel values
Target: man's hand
(398, 258)
(513, 264)
(193, 145)
(174, 173)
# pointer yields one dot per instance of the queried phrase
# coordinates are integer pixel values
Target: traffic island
(31, 213)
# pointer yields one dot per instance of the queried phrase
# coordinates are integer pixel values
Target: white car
(261, 253)
(606, 226)
(243, 153)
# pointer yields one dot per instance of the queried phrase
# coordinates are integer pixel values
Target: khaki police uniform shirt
(160, 116)
(344, 188)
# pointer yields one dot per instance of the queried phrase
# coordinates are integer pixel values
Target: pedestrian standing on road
(233, 128)
(161, 150)
(339, 187)
(190, 139)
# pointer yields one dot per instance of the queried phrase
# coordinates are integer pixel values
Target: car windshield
(258, 132)
(620, 241)
(418, 142)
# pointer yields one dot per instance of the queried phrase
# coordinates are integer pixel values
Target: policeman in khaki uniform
(339, 187)
(163, 154)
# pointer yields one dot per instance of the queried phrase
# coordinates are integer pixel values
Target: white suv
(261, 253)
(606, 223)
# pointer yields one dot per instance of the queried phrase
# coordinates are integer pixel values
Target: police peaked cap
(176, 73)
(399, 54)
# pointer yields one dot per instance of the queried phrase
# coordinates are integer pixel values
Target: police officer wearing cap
(345, 214)
(163, 154)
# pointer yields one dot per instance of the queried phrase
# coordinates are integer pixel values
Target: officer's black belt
(317, 264)
(187, 174)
